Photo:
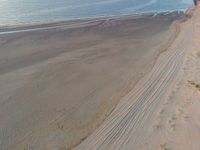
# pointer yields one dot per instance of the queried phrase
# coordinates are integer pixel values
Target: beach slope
(60, 81)
(162, 110)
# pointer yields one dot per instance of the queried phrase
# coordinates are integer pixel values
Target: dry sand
(176, 125)
(58, 82)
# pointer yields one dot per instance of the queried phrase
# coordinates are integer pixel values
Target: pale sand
(57, 85)
(176, 125)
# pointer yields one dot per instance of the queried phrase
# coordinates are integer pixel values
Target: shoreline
(75, 23)
(89, 18)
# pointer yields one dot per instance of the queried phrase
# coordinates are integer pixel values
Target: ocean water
(29, 11)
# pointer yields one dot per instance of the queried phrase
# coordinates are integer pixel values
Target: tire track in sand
(124, 128)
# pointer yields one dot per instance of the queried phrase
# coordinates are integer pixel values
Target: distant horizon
(20, 11)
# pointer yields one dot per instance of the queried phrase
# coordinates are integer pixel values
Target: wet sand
(58, 82)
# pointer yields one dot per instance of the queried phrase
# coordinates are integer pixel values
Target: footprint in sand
(157, 127)
(187, 118)
(179, 111)
(172, 124)
(164, 146)
(194, 85)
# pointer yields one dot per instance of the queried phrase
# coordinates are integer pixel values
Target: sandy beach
(118, 83)
(162, 110)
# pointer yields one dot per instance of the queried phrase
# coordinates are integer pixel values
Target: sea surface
(29, 11)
